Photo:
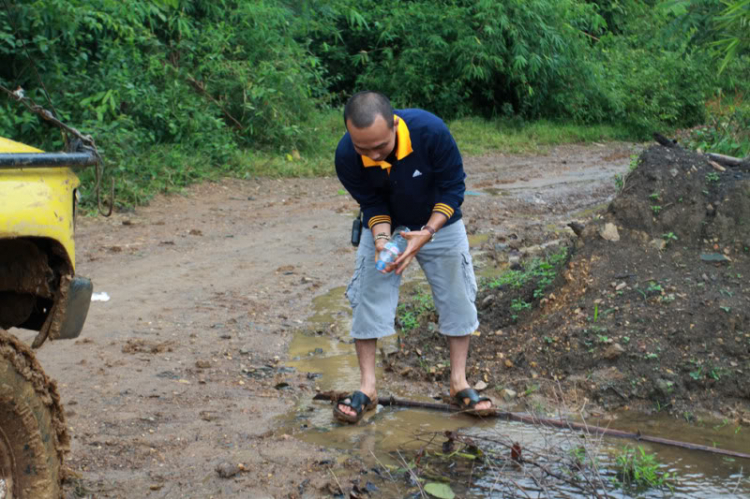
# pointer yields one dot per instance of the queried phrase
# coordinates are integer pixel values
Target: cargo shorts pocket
(470, 280)
(353, 290)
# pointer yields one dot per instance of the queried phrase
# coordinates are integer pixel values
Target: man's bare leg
(366, 351)
(459, 347)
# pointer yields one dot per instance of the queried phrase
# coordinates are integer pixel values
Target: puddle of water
(494, 191)
(589, 211)
(330, 307)
(696, 472)
(476, 240)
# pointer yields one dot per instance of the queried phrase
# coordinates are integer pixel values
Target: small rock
(508, 394)
(227, 469)
(613, 351)
(532, 250)
(710, 209)
(481, 385)
(208, 416)
(609, 232)
(202, 364)
(716, 166)
(488, 299)
(658, 244)
(674, 172)
(620, 286)
(514, 261)
(715, 258)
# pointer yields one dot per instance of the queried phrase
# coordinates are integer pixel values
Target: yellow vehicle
(40, 291)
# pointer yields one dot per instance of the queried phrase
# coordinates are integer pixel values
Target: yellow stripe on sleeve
(444, 209)
(379, 219)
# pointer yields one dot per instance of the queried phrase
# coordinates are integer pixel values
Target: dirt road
(175, 375)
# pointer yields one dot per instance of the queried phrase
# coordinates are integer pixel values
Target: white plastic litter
(103, 296)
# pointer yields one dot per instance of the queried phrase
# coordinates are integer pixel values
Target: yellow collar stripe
(403, 150)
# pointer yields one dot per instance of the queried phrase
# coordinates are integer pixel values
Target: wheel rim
(6, 468)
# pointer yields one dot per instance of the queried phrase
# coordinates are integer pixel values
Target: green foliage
(478, 136)
(727, 130)
(733, 28)
(639, 471)
(712, 177)
(410, 312)
(459, 57)
(651, 89)
(170, 94)
(540, 271)
(177, 91)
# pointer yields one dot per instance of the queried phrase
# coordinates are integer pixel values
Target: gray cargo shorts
(446, 262)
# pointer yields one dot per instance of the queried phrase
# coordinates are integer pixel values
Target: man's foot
(352, 408)
(468, 400)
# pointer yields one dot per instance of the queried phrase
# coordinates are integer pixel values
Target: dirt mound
(651, 308)
(681, 192)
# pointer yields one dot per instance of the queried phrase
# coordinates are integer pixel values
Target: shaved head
(363, 108)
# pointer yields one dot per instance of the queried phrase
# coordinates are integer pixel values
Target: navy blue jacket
(426, 176)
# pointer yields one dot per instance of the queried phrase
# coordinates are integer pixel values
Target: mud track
(175, 375)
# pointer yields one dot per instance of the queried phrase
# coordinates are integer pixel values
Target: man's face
(376, 141)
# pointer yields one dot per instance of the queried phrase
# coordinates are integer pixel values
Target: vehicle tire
(33, 436)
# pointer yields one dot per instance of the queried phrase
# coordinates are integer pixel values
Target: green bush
(651, 89)
(458, 57)
(176, 91)
(170, 94)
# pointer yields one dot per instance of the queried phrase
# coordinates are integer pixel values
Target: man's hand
(415, 240)
(380, 246)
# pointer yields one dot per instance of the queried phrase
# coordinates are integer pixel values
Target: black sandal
(473, 398)
(358, 401)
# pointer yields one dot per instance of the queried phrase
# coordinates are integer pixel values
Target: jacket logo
(417, 173)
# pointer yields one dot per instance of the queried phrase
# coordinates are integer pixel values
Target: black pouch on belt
(357, 229)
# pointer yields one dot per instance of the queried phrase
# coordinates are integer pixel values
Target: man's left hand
(415, 240)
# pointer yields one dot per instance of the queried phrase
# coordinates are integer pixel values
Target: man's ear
(395, 122)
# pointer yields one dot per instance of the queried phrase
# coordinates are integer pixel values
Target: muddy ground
(650, 308)
(178, 383)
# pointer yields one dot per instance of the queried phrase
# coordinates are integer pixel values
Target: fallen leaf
(439, 490)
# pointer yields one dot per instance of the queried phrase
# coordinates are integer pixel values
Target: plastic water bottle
(393, 248)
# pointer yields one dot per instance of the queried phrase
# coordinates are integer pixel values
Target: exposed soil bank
(652, 311)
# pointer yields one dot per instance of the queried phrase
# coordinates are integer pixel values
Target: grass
(542, 271)
(141, 172)
(639, 471)
(411, 310)
(476, 136)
